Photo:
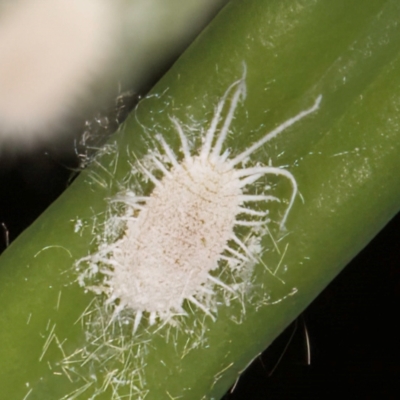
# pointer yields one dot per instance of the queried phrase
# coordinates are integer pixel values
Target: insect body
(186, 228)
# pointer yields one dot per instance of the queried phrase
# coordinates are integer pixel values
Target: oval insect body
(178, 237)
(187, 227)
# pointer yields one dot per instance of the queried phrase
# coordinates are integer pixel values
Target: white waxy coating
(181, 232)
(177, 238)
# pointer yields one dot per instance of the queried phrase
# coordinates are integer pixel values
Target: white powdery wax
(181, 233)
(186, 228)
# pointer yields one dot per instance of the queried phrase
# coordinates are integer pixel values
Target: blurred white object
(57, 57)
(50, 52)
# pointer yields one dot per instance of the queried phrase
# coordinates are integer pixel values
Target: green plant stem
(344, 158)
(154, 32)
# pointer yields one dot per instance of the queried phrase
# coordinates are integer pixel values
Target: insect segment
(186, 228)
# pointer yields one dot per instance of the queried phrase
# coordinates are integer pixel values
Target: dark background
(352, 326)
